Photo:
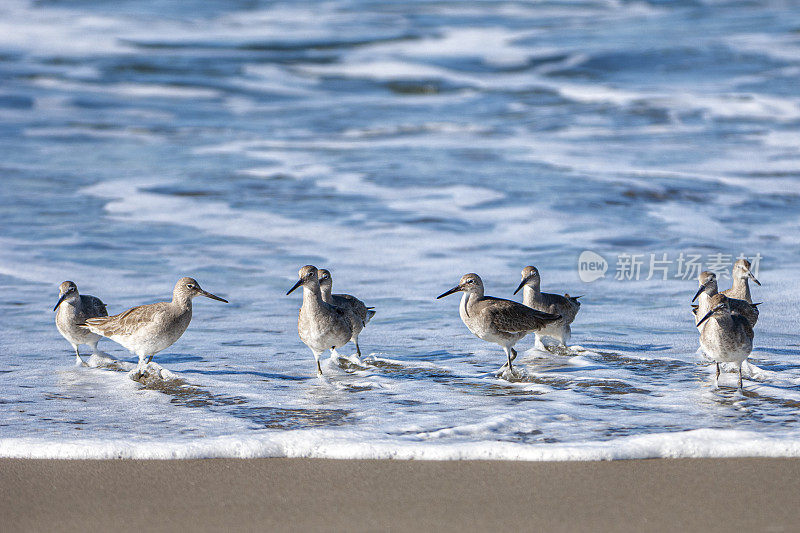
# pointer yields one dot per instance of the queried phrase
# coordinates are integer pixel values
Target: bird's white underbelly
(508, 339)
(149, 340)
(553, 329)
(482, 331)
(720, 351)
(76, 335)
(715, 353)
(319, 341)
(322, 335)
(67, 319)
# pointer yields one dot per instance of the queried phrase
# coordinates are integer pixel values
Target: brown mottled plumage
(147, 329)
(567, 306)
(497, 320)
(321, 326)
(357, 312)
(708, 288)
(725, 337)
(72, 310)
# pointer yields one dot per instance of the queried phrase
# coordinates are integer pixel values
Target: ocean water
(400, 145)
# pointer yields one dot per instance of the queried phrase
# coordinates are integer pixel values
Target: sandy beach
(326, 495)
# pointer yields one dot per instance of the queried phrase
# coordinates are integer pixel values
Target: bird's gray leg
(740, 377)
(149, 359)
(512, 354)
(567, 335)
(78, 359)
(316, 358)
(509, 350)
(356, 357)
(716, 378)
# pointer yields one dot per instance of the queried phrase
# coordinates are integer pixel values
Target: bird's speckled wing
(351, 302)
(92, 306)
(745, 325)
(556, 304)
(513, 317)
(124, 323)
(744, 309)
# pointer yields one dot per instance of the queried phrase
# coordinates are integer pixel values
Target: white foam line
(138, 90)
(137, 135)
(488, 425)
(781, 47)
(493, 44)
(18, 264)
(403, 363)
(327, 444)
(129, 201)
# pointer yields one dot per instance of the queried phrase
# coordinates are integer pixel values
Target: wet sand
(333, 495)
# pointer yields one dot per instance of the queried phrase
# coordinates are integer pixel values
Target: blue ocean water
(400, 145)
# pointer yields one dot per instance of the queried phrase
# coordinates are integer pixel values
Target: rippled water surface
(399, 144)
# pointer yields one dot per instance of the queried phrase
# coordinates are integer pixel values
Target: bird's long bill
(299, 282)
(751, 276)
(63, 296)
(522, 284)
(708, 315)
(701, 289)
(212, 296)
(451, 291)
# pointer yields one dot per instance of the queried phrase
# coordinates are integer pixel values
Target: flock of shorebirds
(329, 321)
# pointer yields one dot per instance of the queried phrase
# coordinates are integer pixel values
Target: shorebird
(708, 288)
(496, 320)
(357, 313)
(72, 310)
(727, 338)
(145, 330)
(321, 325)
(741, 288)
(567, 306)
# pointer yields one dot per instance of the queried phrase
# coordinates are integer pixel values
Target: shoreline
(367, 495)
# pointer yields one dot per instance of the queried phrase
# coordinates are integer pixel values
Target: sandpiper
(741, 288)
(357, 312)
(567, 306)
(145, 330)
(496, 320)
(321, 325)
(708, 288)
(727, 338)
(72, 310)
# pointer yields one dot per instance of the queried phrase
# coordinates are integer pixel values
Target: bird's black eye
(189, 286)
